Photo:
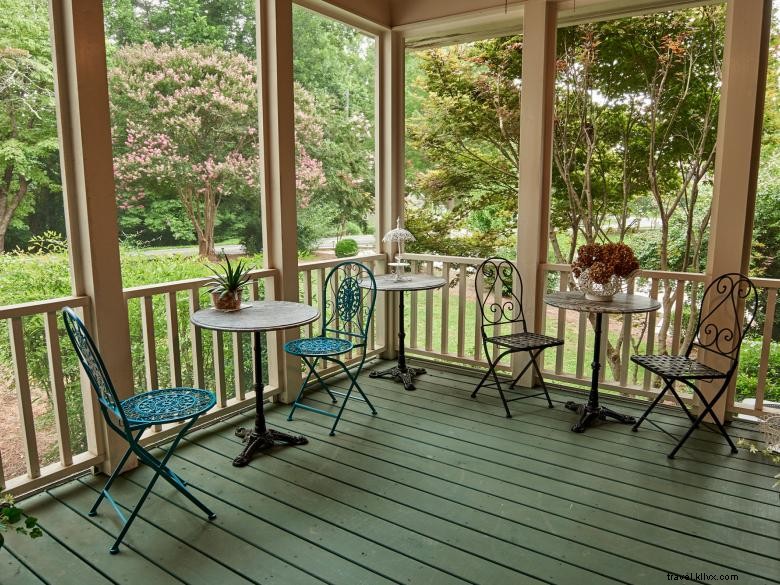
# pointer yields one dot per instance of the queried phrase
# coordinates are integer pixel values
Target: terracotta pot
(227, 301)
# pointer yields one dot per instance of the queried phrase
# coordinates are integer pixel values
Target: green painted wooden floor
(436, 489)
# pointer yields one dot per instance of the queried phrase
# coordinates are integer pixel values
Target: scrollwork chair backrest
(727, 310)
(499, 293)
(348, 307)
(94, 367)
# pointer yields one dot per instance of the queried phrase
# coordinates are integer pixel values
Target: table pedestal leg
(400, 372)
(261, 438)
(592, 410)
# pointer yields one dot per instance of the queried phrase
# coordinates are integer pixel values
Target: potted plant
(227, 284)
(12, 516)
(601, 268)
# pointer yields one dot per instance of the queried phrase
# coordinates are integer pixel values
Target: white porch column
(90, 203)
(536, 126)
(278, 203)
(391, 159)
(739, 143)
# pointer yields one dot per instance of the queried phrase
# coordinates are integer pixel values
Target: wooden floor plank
(212, 555)
(14, 572)
(560, 439)
(437, 488)
(648, 439)
(522, 549)
(375, 526)
(591, 526)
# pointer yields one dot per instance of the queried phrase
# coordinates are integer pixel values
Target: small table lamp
(399, 235)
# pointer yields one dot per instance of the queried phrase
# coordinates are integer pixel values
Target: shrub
(346, 247)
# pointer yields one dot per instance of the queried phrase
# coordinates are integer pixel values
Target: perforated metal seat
(720, 329)
(131, 417)
(167, 405)
(500, 301)
(677, 366)
(318, 346)
(525, 341)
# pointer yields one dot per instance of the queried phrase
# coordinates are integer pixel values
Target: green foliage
(12, 516)
(346, 247)
(228, 277)
(314, 223)
(28, 126)
(749, 363)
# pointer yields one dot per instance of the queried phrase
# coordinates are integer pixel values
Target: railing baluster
(196, 340)
(766, 343)
(480, 288)
(445, 309)
(239, 379)
(626, 349)
(174, 352)
(651, 320)
(561, 330)
(58, 388)
(23, 398)
(150, 351)
(461, 310)
(429, 312)
(307, 297)
(582, 339)
(219, 368)
(371, 341)
(679, 293)
(415, 268)
(603, 352)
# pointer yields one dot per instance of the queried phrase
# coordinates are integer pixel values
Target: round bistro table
(410, 282)
(256, 317)
(621, 304)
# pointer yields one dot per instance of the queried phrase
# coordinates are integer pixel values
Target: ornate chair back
(727, 310)
(500, 293)
(349, 307)
(89, 356)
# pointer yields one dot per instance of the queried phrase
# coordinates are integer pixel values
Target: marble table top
(410, 282)
(257, 316)
(621, 303)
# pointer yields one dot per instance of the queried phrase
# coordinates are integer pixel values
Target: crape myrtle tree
(185, 129)
(28, 125)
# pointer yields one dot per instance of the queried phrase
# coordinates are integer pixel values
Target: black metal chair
(500, 301)
(719, 332)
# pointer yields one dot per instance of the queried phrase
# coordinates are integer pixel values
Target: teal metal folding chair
(348, 298)
(132, 416)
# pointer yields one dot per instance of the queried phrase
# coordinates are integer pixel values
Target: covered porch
(438, 487)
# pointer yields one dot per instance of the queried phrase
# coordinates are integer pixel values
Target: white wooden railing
(167, 350)
(40, 468)
(442, 325)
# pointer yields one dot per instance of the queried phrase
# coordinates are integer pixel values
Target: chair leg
(708, 405)
(311, 366)
(487, 372)
(158, 466)
(541, 378)
(641, 419)
(353, 385)
(114, 475)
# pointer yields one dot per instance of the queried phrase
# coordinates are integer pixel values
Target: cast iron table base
(400, 372)
(592, 411)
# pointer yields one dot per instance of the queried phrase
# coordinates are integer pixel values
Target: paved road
(326, 244)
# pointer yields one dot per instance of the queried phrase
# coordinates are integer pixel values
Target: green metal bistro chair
(348, 298)
(132, 416)
(731, 302)
(500, 302)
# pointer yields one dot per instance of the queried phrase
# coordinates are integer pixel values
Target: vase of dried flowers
(600, 269)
